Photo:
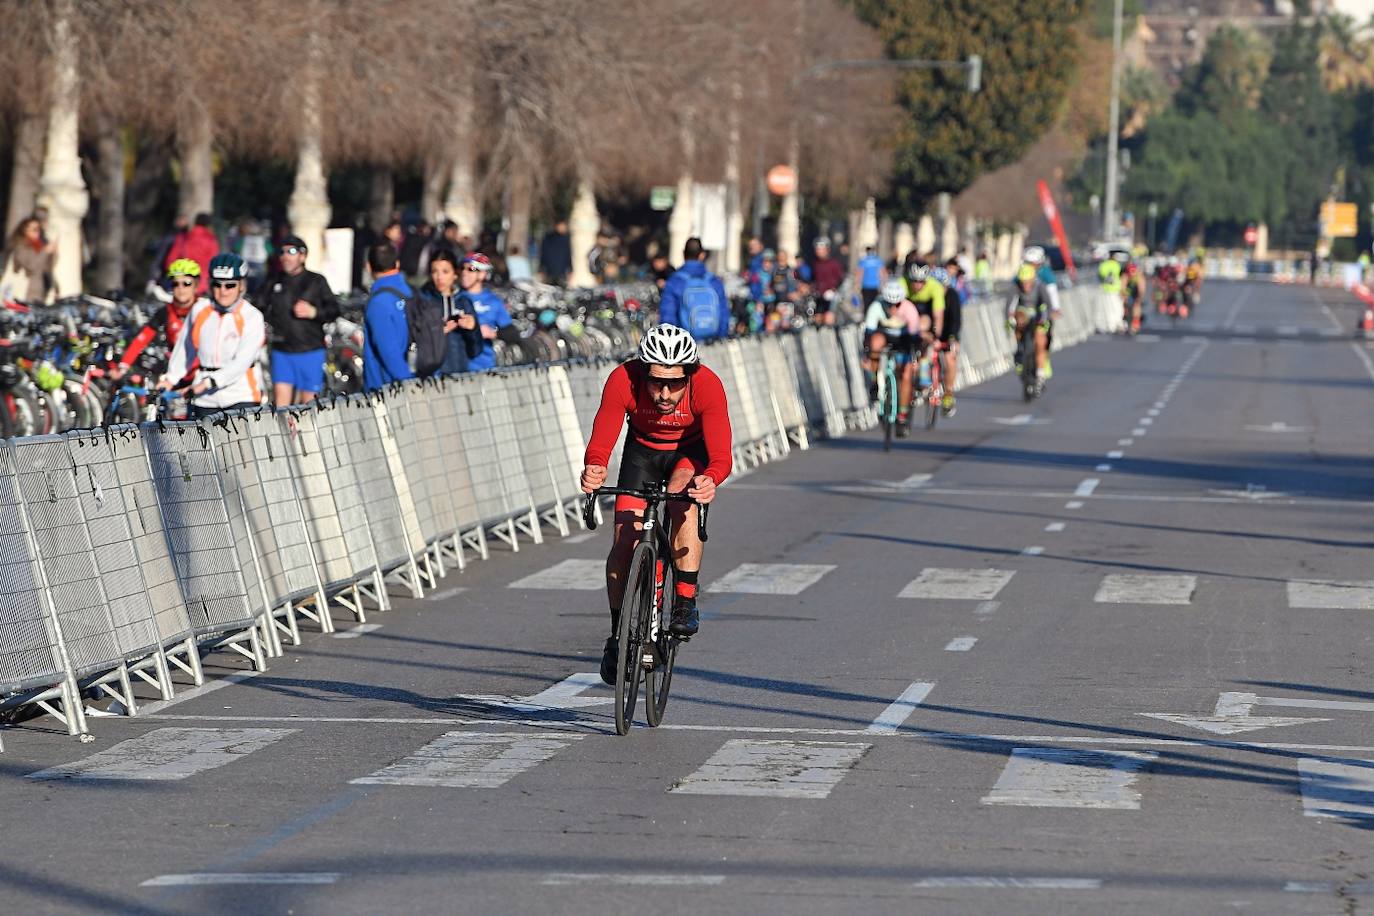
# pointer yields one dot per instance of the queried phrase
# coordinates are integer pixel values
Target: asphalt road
(1108, 652)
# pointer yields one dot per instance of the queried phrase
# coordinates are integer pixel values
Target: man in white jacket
(221, 341)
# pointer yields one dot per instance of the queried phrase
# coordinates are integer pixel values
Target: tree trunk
(109, 245)
(152, 163)
(62, 189)
(903, 242)
(462, 204)
(519, 201)
(734, 210)
(195, 136)
(308, 209)
(789, 215)
(28, 165)
(381, 200)
(925, 235)
(435, 173)
(584, 225)
(683, 217)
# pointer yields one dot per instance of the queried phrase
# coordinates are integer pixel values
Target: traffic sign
(1251, 235)
(661, 197)
(1339, 220)
(782, 180)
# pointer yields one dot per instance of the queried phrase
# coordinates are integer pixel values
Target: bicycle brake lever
(589, 511)
(701, 521)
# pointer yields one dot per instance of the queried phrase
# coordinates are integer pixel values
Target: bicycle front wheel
(659, 678)
(634, 630)
(933, 402)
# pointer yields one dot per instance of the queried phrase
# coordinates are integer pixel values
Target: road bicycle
(887, 395)
(933, 395)
(647, 647)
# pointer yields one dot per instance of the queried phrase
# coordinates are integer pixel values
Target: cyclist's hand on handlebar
(164, 384)
(593, 478)
(703, 489)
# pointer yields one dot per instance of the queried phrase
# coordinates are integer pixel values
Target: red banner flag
(1057, 224)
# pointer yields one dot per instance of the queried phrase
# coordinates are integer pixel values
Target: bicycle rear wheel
(933, 402)
(658, 679)
(634, 629)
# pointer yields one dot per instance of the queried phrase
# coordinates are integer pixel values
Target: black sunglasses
(226, 284)
(183, 282)
(672, 384)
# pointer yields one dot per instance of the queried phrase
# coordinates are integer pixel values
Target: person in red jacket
(199, 244)
(827, 274)
(166, 324)
(679, 435)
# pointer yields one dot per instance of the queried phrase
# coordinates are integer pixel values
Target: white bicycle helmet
(893, 291)
(1033, 255)
(667, 345)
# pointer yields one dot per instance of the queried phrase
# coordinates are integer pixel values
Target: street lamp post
(1109, 218)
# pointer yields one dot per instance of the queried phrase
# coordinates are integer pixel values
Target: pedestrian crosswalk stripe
(898, 711)
(1041, 777)
(167, 754)
(206, 879)
(574, 575)
(1355, 596)
(469, 760)
(1337, 788)
(777, 769)
(959, 584)
(770, 578)
(556, 879)
(1144, 588)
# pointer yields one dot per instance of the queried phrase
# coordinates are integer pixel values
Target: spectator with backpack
(386, 332)
(443, 327)
(694, 298)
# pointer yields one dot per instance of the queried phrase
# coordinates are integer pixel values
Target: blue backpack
(700, 308)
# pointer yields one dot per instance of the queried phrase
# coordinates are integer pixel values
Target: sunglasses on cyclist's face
(226, 284)
(292, 249)
(184, 282)
(670, 384)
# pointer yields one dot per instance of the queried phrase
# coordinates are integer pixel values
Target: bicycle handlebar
(649, 496)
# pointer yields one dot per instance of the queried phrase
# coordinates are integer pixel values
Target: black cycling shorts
(954, 322)
(641, 465)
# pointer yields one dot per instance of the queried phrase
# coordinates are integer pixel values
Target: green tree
(951, 136)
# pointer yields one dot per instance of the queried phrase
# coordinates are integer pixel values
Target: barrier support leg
(192, 664)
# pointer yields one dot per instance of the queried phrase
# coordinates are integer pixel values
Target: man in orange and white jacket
(221, 341)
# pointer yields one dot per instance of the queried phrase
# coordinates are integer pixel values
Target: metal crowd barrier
(127, 553)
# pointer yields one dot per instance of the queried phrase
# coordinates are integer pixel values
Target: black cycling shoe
(686, 619)
(609, 661)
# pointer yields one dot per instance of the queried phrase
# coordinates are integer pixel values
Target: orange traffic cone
(1367, 326)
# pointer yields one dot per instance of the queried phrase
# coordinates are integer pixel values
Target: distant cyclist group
(1177, 287)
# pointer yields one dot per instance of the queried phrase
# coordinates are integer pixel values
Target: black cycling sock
(615, 621)
(686, 582)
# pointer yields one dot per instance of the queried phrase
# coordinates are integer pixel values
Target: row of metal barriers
(128, 553)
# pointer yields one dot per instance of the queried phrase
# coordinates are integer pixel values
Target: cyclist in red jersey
(166, 321)
(679, 436)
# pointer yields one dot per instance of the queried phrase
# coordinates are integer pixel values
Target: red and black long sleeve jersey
(702, 414)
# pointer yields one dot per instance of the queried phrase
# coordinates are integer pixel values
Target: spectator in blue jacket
(684, 296)
(386, 336)
(492, 318)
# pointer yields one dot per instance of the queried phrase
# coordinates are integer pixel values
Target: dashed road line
(1087, 487)
(961, 643)
(1055, 527)
(355, 632)
(900, 709)
(1032, 551)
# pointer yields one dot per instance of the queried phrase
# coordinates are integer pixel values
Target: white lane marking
(557, 879)
(1145, 588)
(1035, 884)
(1127, 441)
(1277, 426)
(469, 760)
(575, 575)
(602, 726)
(775, 769)
(167, 754)
(446, 593)
(1160, 405)
(1021, 419)
(1329, 887)
(1073, 504)
(579, 538)
(566, 694)
(1337, 788)
(1104, 468)
(1153, 412)
(770, 578)
(899, 710)
(1087, 487)
(1364, 358)
(148, 709)
(914, 481)
(1039, 777)
(355, 632)
(985, 608)
(1055, 526)
(1033, 551)
(1139, 431)
(959, 584)
(205, 879)
(1146, 421)
(961, 643)
(1115, 454)
(1349, 596)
